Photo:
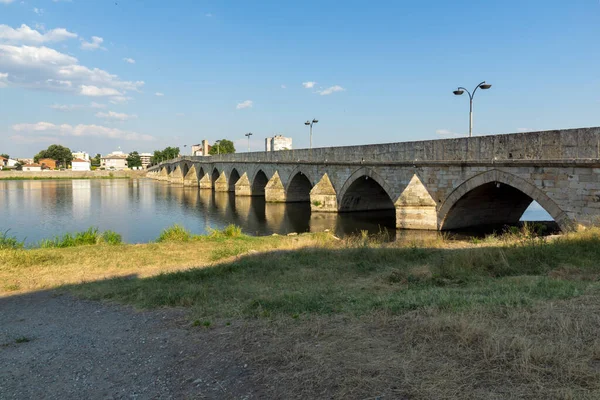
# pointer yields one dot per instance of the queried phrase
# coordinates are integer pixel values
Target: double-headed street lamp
(461, 90)
(248, 136)
(310, 123)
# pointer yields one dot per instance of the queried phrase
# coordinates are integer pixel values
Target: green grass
(10, 242)
(359, 278)
(89, 237)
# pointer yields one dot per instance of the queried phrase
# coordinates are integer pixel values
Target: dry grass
(549, 351)
(24, 270)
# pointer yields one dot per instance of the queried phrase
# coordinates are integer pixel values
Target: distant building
(146, 158)
(115, 160)
(201, 149)
(47, 163)
(79, 164)
(278, 142)
(3, 162)
(32, 167)
(24, 161)
(82, 155)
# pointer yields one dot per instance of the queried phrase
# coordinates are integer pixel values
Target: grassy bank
(512, 316)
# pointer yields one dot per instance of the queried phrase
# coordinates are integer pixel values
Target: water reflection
(140, 209)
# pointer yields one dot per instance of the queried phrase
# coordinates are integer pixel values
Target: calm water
(140, 209)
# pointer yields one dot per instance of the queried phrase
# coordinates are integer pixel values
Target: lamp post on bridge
(461, 90)
(217, 143)
(248, 136)
(310, 123)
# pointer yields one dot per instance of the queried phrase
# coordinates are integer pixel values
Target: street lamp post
(248, 136)
(310, 123)
(461, 90)
(217, 143)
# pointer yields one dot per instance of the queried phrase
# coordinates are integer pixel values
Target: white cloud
(159, 94)
(116, 115)
(38, 11)
(25, 35)
(44, 68)
(309, 85)
(73, 107)
(129, 60)
(48, 128)
(244, 104)
(96, 91)
(120, 99)
(95, 44)
(6, 1)
(330, 90)
(283, 87)
(3, 80)
(208, 15)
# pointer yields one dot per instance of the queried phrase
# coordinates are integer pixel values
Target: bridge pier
(191, 179)
(243, 186)
(221, 184)
(415, 208)
(205, 182)
(176, 177)
(274, 191)
(323, 197)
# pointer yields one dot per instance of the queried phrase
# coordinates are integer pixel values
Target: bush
(230, 231)
(112, 238)
(91, 236)
(175, 233)
(9, 242)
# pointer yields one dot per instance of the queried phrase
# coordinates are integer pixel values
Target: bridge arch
(185, 168)
(299, 185)
(214, 176)
(234, 176)
(365, 190)
(259, 183)
(495, 197)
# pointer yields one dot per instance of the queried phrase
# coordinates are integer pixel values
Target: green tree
(4, 155)
(167, 154)
(96, 161)
(56, 152)
(222, 146)
(134, 160)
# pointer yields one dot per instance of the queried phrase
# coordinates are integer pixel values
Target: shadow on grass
(357, 280)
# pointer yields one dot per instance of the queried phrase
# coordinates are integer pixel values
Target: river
(139, 209)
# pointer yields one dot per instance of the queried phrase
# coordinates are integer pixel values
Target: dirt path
(58, 347)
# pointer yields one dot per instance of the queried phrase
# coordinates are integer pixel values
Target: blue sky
(86, 74)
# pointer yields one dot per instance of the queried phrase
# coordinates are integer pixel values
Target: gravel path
(59, 347)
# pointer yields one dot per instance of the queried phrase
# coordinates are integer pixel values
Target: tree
(96, 161)
(134, 160)
(223, 146)
(164, 155)
(56, 152)
(4, 155)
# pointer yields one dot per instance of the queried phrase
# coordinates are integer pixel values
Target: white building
(115, 160)
(145, 157)
(82, 155)
(7, 162)
(32, 167)
(79, 164)
(201, 149)
(278, 142)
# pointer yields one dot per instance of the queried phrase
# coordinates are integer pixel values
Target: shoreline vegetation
(69, 175)
(358, 317)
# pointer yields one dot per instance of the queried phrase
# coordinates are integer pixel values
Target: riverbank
(38, 175)
(317, 317)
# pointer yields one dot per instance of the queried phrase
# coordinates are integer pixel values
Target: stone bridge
(435, 185)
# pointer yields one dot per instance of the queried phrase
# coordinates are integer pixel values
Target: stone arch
(214, 176)
(234, 177)
(259, 183)
(495, 197)
(298, 188)
(185, 168)
(365, 190)
(303, 171)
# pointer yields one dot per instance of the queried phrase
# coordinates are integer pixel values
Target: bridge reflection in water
(258, 217)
